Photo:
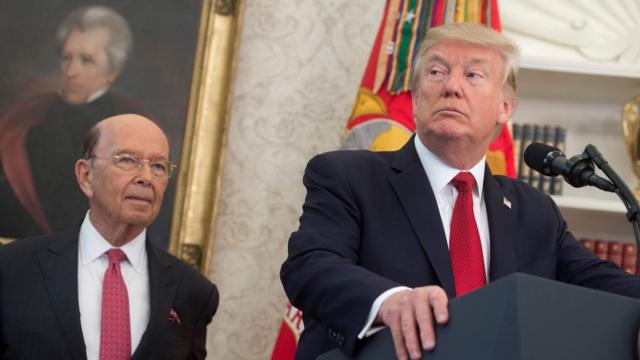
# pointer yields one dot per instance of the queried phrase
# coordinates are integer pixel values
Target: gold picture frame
(199, 181)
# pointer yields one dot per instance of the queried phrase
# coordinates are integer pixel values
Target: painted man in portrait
(41, 137)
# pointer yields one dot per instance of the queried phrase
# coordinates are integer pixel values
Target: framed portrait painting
(67, 64)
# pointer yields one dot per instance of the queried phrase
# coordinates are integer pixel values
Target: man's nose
(71, 68)
(452, 86)
(144, 175)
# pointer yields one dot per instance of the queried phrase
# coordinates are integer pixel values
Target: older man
(386, 238)
(42, 136)
(101, 289)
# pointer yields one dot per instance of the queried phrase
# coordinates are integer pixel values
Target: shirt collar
(440, 173)
(91, 97)
(93, 245)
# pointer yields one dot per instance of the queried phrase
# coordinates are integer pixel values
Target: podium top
(526, 317)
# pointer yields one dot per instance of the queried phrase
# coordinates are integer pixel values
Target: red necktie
(465, 248)
(115, 335)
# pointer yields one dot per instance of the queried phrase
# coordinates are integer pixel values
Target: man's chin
(452, 134)
(73, 98)
(138, 218)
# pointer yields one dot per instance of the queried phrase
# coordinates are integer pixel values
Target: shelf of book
(623, 254)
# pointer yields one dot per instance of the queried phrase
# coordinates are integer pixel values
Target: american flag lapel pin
(173, 316)
(506, 202)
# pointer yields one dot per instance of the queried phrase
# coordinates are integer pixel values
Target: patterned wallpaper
(299, 67)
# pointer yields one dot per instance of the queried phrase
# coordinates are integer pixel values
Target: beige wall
(300, 64)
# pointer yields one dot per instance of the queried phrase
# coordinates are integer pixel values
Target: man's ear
(112, 75)
(507, 107)
(84, 176)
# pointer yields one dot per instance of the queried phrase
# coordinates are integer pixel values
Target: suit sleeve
(321, 275)
(577, 265)
(206, 315)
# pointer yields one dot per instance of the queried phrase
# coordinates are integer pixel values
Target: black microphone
(577, 171)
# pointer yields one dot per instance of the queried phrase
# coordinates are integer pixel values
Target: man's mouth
(139, 198)
(449, 109)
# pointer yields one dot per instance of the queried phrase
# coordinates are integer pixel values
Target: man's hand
(411, 311)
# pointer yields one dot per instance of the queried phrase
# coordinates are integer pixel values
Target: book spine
(517, 147)
(534, 176)
(549, 139)
(527, 137)
(615, 253)
(556, 182)
(589, 244)
(601, 249)
(629, 258)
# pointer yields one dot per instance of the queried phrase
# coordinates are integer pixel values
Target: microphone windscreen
(535, 156)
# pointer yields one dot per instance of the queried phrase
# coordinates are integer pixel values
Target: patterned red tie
(115, 335)
(465, 248)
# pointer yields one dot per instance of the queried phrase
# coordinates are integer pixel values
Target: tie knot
(116, 256)
(463, 182)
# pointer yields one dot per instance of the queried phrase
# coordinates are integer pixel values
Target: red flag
(288, 335)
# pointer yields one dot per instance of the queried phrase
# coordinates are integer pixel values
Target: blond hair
(474, 34)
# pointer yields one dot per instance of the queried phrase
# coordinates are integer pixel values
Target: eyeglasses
(128, 162)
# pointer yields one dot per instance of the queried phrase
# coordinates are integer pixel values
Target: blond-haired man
(385, 239)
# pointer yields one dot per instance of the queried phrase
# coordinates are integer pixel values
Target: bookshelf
(585, 97)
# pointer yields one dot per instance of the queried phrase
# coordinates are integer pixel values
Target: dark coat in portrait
(40, 141)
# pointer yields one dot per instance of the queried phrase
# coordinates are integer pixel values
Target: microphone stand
(621, 189)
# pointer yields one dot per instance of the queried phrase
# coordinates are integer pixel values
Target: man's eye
(87, 60)
(158, 166)
(127, 160)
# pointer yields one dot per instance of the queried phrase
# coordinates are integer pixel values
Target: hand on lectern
(410, 314)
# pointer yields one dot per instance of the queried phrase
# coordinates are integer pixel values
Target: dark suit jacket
(370, 222)
(39, 311)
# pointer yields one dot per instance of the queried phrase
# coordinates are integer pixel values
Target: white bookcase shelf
(600, 206)
(595, 219)
(580, 67)
(578, 81)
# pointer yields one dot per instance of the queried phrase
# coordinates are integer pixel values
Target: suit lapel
(414, 191)
(501, 212)
(163, 283)
(59, 265)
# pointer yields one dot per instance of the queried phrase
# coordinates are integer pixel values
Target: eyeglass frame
(139, 160)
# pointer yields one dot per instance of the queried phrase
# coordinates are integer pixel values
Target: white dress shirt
(92, 264)
(440, 175)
